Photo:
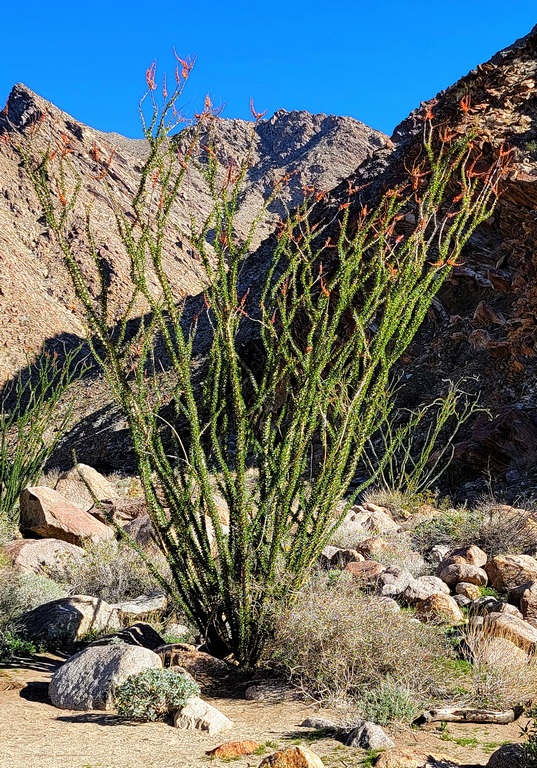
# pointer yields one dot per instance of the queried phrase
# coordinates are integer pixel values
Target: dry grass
(501, 674)
(339, 646)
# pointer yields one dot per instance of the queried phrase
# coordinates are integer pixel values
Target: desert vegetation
(280, 437)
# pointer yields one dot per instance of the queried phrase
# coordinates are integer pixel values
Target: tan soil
(33, 734)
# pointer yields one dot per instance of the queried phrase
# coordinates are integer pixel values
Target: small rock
(232, 749)
(369, 736)
(46, 514)
(86, 680)
(366, 572)
(402, 758)
(439, 552)
(394, 581)
(462, 601)
(528, 603)
(319, 724)
(292, 757)
(197, 715)
(386, 604)
(506, 572)
(452, 573)
(334, 557)
(198, 663)
(439, 609)
(471, 591)
(423, 587)
(141, 530)
(121, 511)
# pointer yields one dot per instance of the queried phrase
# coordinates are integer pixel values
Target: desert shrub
(342, 295)
(153, 694)
(495, 528)
(11, 645)
(500, 675)
(20, 592)
(110, 570)
(529, 733)
(388, 702)
(341, 646)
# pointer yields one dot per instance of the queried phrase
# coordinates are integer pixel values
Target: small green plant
(153, 694)
(389, 702)
(11, 645)
(371, 757)
(529, 732)
(31, 425)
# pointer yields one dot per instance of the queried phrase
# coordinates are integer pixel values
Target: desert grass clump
(110, 570)
(501, 675)
(342, 295)
(343, 647)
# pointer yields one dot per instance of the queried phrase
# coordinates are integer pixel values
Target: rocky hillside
(36, 298)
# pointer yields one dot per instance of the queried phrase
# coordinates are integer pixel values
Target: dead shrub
(501, 675)
(337, 643)
(110, 570)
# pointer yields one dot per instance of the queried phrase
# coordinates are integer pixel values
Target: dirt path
(34, 734)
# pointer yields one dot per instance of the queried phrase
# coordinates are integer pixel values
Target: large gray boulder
(63, 622)
(87, 680)
(369, 736)
(423, 587)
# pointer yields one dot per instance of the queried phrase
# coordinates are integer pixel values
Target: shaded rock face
(62, 622)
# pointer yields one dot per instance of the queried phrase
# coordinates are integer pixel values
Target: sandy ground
(34, 734)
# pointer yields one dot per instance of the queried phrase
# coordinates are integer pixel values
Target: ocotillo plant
(279, 440)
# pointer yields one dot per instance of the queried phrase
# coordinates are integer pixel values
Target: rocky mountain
(36, 298)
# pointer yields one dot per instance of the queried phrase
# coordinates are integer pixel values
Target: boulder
(462, 601)
(507, 756)
(439, 609)
(82, 484)
(372, 519)
(46, 514)
(87, 680)
(452, 573)
(141, 606)
(62, 622)
(141, 530)
(366, 572)
(385, 604)
(506, 572)
(198, 663)
(528, 603)
(394, 581)
(423, 587)
(140, 634)
(471, 591)
(197, 715)
(514, 629)
(472, 555)
(230, 750)
(270, 692)
(335, 557)
(292, 757)
(43, 556)
(369, 736)
(499, 652)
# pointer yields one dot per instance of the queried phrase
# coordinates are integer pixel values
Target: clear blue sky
(372, 60)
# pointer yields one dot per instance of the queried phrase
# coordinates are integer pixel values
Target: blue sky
(373, 61)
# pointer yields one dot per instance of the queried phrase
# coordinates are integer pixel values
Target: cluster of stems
(277, 438)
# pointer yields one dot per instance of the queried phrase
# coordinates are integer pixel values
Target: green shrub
(341, 646)
(11, 645)
(153, 694)
(31, 424)
(389, 702)
(330, 313)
